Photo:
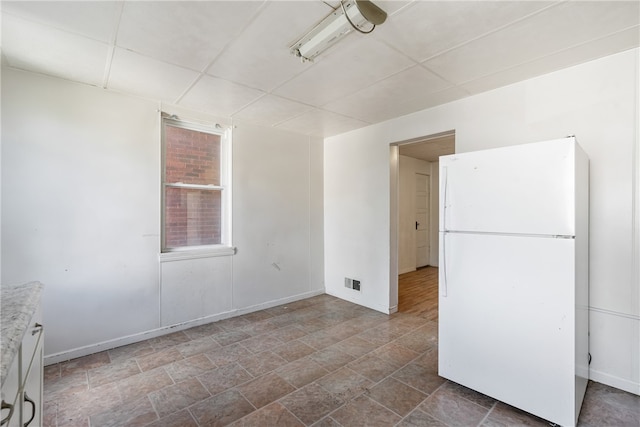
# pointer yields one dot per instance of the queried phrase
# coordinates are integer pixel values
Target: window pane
(191, 157)
(192, 217)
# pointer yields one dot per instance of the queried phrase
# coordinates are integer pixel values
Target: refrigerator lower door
(507, 320)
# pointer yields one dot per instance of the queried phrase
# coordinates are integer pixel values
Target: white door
(422, 220)
(522, 189)
(506, 320)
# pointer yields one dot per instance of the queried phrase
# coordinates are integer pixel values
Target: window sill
(185, 254)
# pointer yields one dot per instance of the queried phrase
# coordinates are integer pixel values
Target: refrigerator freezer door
(527, 189)
(506, 324)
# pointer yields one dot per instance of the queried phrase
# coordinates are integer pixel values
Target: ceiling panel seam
(112, 47)
(556, 52)
(203, 72)
(495, 30)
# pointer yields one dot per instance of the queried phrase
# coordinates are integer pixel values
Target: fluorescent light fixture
(359, 15)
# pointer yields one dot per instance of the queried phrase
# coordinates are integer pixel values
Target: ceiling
(429, 148)
(231, 58)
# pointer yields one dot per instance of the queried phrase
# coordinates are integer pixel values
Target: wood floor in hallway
(418, 293)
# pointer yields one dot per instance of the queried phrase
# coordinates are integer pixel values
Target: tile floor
(320, 361)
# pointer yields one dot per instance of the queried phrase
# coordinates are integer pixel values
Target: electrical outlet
(356, 285)
(348, 283)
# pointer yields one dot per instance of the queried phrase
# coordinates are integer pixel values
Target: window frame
(198, 251)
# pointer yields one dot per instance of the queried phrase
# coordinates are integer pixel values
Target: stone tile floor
(320, 361)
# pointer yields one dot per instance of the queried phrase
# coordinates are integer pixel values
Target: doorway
(415, 222)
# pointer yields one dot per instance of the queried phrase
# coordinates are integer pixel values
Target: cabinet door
(32, 372)
(10, 402)
(15, 418)
(32, 393)
(30, 342)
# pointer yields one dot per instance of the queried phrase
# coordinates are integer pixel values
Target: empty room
(320, 213)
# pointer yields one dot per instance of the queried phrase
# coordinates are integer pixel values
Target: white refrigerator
(513, 278)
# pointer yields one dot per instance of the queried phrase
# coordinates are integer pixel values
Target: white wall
(81, 213)
(596, 101)
(0, 182)
(278, 230)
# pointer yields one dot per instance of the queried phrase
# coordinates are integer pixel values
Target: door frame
(394, 192)
(428, 214)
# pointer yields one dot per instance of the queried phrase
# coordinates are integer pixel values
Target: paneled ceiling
(429, 148)
(231, 58)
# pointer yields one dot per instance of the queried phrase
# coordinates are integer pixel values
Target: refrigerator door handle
(443, 291)
(444, 201)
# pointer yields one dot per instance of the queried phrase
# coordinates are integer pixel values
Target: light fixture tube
(335, 26)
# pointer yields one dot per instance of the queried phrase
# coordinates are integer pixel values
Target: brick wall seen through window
(193, 215)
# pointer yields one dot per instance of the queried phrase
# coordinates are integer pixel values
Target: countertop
(18, 303)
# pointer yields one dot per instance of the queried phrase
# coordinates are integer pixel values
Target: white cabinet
(10, 390)
(22, 389)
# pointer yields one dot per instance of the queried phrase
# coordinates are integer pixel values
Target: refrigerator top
(529, 189)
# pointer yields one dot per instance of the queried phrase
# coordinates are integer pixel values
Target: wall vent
(352, 284)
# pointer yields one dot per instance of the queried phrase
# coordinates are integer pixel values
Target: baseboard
(614, 345)
(381, 309)
(406, 270)
(131, 339)
(142, 336)
(615, 382)
(263, 306)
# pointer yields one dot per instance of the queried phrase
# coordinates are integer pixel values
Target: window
(195, 187)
